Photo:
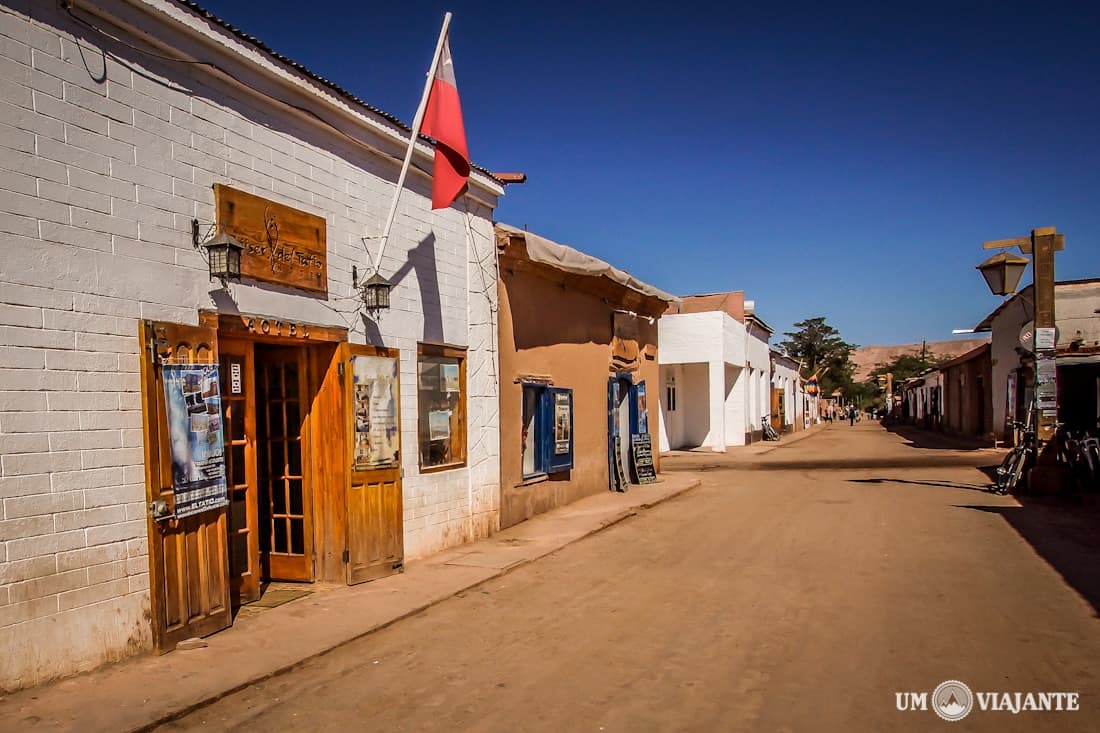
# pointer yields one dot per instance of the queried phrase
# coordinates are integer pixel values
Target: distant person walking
(852, 415)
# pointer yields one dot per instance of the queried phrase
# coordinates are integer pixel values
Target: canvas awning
(565, 258)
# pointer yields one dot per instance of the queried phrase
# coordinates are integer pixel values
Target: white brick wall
(104, 160)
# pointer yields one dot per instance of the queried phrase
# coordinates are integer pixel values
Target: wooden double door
(298, 508)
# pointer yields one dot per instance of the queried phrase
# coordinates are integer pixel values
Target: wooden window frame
(458, 424)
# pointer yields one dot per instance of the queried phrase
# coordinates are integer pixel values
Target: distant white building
(788, 398)
(715, 373)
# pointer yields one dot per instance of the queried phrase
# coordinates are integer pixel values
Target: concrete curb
(173, 715)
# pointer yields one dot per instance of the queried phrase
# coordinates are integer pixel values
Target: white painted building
(715, 373)
(922, 399)
(108, 153)
(758, 360)
(792, 399)
(1075, 313)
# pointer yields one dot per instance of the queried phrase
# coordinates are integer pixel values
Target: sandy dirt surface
(797, 590)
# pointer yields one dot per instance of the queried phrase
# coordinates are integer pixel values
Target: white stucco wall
(714, 342)
(103, 164)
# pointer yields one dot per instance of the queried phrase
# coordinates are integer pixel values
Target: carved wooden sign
(281, 244)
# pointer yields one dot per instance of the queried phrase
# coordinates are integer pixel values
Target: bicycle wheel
(1017, 472)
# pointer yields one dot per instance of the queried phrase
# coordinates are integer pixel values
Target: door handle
(159, 510)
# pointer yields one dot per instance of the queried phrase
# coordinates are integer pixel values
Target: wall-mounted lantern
(376, 294)
(223, 254)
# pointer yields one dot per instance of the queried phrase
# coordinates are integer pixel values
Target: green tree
(822, 351)
(903, 366)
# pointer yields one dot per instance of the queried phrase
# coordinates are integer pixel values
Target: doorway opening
(283, 482)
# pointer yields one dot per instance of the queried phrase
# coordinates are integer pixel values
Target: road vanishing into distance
(801, 589)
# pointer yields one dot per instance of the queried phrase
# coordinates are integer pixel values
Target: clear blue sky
(837, 160)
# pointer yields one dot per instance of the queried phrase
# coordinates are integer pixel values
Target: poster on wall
(193, 399)
(439, 424)
(448, 375)
(376, 437)
(562, 421)
(643, 410)
(428, 376)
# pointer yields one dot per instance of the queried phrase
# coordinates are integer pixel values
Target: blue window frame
(547, 434)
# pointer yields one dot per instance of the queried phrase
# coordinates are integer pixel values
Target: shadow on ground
(920, 438)
(918, 482)
(1064, 531)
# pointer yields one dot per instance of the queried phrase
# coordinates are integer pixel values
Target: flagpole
(417, 122)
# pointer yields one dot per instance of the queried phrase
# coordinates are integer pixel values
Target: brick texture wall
(106, 154)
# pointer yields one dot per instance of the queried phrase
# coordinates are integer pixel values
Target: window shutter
(557, 435)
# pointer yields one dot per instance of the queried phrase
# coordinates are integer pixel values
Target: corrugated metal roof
(302, 69)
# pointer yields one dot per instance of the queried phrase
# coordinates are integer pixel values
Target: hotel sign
(281, 244)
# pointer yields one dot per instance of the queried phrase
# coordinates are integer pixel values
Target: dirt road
(794, 591)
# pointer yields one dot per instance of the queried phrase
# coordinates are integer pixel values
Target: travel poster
(193, 400)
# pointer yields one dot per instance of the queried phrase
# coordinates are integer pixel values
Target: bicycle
(1022, 457)
(769, 431)
(1080, 453)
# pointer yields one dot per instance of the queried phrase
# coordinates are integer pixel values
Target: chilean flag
(443, 121)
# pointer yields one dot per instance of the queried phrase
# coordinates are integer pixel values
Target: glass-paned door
(286, 535)
(239, 427)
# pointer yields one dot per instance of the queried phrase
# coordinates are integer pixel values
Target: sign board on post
(1045, 338)
(281, 244)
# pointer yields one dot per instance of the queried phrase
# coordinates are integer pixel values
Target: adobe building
(967, 393)
(174, 438)
(578, 364)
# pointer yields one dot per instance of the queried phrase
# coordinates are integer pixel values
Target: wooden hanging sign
(281, 244)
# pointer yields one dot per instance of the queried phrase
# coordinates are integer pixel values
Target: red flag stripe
(443, 121)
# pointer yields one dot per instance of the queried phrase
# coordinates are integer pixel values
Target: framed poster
(563, 420)
(192, 395)
(374, 419)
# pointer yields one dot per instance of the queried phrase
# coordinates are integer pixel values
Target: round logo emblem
(952, 700)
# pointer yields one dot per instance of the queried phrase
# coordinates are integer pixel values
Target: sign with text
(193, 400)
(281, 244)
(641, 449)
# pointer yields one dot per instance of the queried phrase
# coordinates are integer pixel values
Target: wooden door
(188, 558)
(285, 506)
(777, 409)
(375, 524)
(239, 407)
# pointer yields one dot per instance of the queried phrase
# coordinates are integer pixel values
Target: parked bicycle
(1022, 457)
(1080, 453)
(769, 431)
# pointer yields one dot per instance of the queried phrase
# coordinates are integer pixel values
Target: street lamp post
(1002, 273)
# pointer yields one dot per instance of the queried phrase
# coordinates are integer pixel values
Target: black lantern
(376, 294)
(1002, 272)
(224, 257)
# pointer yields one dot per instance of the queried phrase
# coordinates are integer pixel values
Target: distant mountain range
(866, 358)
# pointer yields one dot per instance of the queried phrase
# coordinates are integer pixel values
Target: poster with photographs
(448, 375)
(563, 420)
(439, 425)
(193, 399)
(428, 376)
(376, 438)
